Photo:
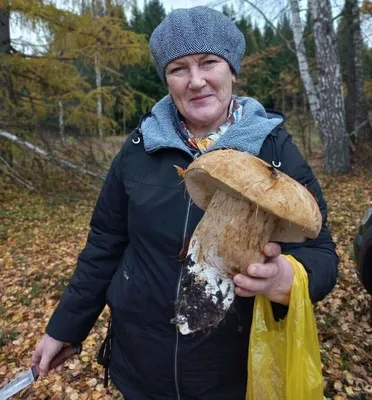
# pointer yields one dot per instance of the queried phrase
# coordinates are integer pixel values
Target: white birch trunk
(302, 60)
(97, 68)
(61, 122)
(99, 95)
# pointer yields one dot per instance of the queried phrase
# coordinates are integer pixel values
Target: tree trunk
(61, 122)
(332, 124)
(5, 81)
(302, 60)
(304, 103)
(97, 68)
(357, 119)
(99, 95)
(83, 7)
(326, 99)
(4, 30)
(5, 49)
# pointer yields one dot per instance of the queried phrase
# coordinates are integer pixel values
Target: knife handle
(66, 353)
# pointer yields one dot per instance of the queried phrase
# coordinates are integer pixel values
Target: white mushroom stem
(230, 236)
(239, 229)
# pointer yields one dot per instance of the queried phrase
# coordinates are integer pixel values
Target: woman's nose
(197, 79)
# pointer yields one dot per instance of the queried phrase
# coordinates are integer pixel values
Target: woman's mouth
(200, 99)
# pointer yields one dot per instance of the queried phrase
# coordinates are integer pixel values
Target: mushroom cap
(248, 178)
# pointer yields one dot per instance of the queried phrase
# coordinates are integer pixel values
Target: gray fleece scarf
(248, 135)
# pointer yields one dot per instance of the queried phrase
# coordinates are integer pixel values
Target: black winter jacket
(131, 261)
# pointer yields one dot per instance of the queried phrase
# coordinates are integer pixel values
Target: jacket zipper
(177, 293)
(178, 289)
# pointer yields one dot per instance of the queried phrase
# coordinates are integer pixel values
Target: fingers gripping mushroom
(247, 203)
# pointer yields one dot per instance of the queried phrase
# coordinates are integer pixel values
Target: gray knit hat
(196, 30)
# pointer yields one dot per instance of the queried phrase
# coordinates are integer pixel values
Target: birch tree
(325, 97)
(61, 122)
(97, 69)
(298, 30)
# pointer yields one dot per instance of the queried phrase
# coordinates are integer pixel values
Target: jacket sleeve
(84, 297)
(318, 256)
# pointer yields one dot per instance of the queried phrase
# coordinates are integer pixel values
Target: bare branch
(49, 156)
(10, 171)
(357, 128)
(288, 43)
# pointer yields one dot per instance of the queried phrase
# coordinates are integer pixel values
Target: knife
(27, 378)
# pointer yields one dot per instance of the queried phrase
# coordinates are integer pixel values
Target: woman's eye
(176, 70)
(209, 63)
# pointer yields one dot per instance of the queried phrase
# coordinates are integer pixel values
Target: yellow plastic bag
(284, 357)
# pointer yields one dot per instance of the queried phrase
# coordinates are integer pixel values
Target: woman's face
(201, 87)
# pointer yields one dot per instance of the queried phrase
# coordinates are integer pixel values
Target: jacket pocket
(127, 296)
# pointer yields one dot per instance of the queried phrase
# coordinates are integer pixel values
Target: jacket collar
(248, 135)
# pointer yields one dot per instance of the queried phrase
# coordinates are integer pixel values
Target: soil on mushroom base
(195, 305)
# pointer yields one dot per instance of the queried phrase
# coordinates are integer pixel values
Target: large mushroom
(247, 203)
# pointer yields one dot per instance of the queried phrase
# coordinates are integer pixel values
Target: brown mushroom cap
(248, 178)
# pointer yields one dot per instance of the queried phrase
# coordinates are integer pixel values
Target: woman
(143, 219)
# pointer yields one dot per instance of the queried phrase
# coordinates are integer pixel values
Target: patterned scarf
(200, 145)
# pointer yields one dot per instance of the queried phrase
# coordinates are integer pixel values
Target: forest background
(67, 104)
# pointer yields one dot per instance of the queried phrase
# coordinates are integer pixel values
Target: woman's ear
(233, 78)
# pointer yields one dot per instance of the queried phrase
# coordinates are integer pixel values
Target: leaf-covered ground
(40, 240)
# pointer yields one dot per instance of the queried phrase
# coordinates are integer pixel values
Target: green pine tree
(136, 22)
(144, 78)
(245, 26)
(258, 38)
(229, 11)
(153, 14)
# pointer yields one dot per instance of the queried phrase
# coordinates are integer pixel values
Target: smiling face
(201, 87)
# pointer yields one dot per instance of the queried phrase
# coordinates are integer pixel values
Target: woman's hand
(273, 279)
(45, 351)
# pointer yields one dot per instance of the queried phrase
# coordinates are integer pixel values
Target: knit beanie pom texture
(197, 30)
